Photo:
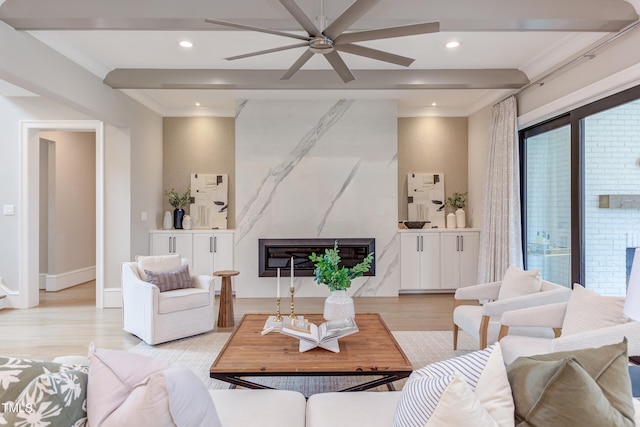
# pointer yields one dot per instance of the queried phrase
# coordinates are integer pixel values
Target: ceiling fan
(333, 39)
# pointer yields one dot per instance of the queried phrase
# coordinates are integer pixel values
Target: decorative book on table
(324, 335)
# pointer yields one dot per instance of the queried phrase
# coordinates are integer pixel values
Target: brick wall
(612, 145)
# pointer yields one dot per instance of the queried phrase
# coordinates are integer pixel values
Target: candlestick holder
(292, 315)
(278, 317)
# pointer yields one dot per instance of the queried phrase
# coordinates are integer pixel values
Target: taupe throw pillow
(178, 278)
(587, 387)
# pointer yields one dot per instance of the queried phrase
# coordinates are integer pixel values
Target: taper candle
(278, 285)
(291, 272)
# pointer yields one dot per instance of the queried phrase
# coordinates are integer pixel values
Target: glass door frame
(575, 119)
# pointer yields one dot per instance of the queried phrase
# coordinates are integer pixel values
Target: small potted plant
(458, 201)
(337, 278)
(178, 203)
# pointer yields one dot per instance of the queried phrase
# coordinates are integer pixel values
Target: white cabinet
(438, 259)
(459, 258)
(212, 252)
(171, 242)
(207, 251)
(420, 261)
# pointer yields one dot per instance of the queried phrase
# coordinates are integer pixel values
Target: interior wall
(479, 131)
(433, 144)
(72, 231)
(330, 173)
(133, 136)
(611, 70)
(198, 145)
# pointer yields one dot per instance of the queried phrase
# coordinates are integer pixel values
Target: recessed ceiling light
(197, 104)
(433, 104)
(452, 44)
(186, 43)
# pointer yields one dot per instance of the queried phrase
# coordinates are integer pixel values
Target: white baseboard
(66, 280)
(112, 298)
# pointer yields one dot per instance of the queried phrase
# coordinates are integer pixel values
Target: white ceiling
(144, 34)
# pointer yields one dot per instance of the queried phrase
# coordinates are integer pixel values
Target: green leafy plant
(458, 200)
(176, 200)
(329, 272)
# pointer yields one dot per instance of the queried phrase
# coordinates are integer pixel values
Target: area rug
(197, 353)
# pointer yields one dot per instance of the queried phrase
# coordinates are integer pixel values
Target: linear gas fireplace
(277, 253)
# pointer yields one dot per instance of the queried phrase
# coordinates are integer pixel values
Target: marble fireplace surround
(316, 169)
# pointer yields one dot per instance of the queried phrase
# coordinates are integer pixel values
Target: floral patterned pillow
(36, 393)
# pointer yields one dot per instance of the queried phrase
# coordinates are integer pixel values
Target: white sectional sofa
(125, 389)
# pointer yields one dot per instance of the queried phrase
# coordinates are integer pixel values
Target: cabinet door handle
(215, 244)
(421, 243)
(461, 243)
(174, 245)
(211, 244)
(169, 244)
(457, 243)
(417, 243)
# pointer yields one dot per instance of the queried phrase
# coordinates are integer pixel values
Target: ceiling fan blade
(375, 54)
(301, 17)
(262, 52)
(341, 68)
(348, 17)
(388, 33)
(261, 30)
(297, 65)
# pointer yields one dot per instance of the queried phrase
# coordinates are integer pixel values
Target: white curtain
(500, 239)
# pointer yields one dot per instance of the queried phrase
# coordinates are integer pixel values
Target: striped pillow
(178, 278)
(453, 392)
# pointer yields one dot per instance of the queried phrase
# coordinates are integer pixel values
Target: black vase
(178, 215)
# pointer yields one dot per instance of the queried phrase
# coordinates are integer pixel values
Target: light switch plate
(143, 216)
(8, 210)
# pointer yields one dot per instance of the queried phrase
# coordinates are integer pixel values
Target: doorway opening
(29, 217)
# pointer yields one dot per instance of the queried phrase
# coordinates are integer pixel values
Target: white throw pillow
(518, 282)
(157, 263)
(130, 389)
(453, 392)
(587, 310)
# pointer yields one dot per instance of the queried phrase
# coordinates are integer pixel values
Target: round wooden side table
(225, 311)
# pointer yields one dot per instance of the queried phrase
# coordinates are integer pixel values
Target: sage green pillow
(573, 388)
(34, 392)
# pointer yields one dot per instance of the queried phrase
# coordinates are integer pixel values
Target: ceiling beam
(467, 15)
(315, 79)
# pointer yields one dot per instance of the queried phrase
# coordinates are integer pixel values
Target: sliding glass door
(547, 192)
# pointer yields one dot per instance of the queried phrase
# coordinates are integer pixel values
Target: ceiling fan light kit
(328, 41)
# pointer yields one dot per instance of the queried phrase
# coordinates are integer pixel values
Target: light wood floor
(66, 322)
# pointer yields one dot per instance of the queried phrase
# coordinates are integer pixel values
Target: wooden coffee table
(372, 353)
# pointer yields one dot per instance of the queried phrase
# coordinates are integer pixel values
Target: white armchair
(482, 322)
(157, 317)
(553, 316)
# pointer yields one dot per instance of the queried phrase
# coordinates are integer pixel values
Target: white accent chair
(482, 322)
(156, 317)
(553, 316)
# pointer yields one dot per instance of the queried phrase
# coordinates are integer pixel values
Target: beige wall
(479, 129)
(432, 144)
(71, 201)
(198, 145)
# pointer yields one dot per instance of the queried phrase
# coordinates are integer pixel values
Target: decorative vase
(166, 224)
(338, 306)
(186, 222)
(451, 220)
(178, 216)
(461, 220)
